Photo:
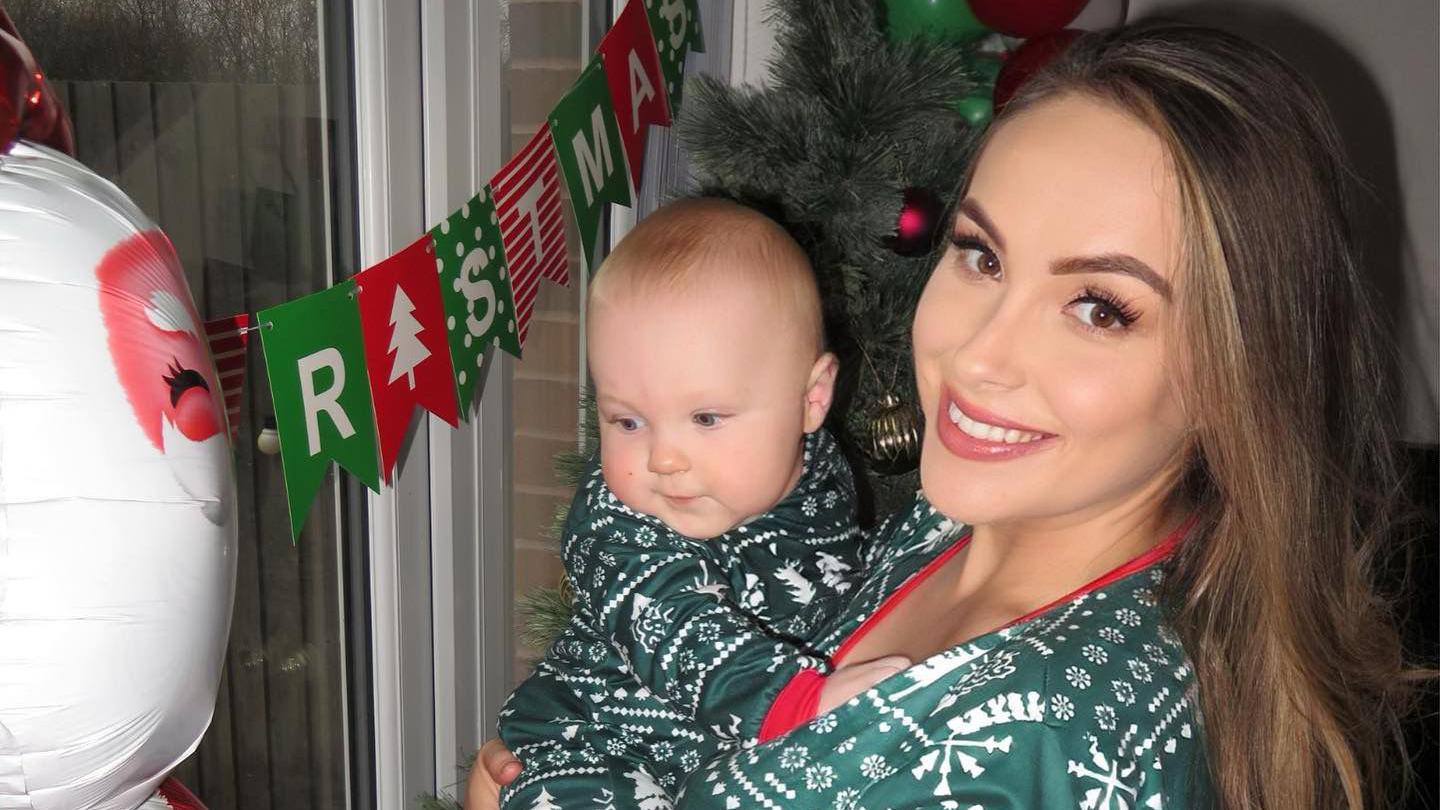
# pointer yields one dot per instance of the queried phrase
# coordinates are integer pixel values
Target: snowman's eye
(181, 380)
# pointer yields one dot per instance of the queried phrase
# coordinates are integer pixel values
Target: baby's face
(702, 405)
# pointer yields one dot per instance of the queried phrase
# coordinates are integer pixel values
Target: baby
(717, 532)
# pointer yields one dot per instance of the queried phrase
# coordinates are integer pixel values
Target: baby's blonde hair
(691, 243)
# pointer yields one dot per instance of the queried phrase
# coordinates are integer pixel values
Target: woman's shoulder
(1118, 690)
(918, 529)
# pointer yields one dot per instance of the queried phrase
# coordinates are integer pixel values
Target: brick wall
(544, 62)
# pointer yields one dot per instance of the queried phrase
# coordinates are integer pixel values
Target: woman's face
(1040, 340)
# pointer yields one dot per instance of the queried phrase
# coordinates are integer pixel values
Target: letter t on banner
(532, 226)
(315, 361)
(587, 146)
(637, 85)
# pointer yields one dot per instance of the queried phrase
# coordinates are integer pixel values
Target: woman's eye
(977, 256)
(706, 419)
(1096, 312)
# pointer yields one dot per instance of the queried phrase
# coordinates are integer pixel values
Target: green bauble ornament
(946, 20)
(976, 110)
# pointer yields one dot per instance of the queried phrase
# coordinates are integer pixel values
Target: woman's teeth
(989, 433)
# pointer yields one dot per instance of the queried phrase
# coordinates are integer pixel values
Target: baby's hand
(495, 767)
(852, 679)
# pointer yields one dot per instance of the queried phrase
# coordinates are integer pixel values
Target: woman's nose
(666, 458)
(990, 356)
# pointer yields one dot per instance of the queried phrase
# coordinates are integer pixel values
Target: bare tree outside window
(252, 41)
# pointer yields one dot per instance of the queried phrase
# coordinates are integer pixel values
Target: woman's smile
(962, 432)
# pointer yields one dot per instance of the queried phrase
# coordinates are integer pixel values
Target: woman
(1150, 374)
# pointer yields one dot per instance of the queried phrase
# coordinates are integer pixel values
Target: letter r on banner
(326, 401)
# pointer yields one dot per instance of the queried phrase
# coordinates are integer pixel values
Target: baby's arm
(676, 623)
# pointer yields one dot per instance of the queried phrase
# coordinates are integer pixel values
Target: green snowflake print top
(677, 646)
(1086, 704)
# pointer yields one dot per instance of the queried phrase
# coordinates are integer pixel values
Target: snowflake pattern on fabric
(677, 647)
(1052, 712)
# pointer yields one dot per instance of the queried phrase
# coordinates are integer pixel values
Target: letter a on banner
(532, 226)
(637, 85)
(315, 361)
(406, 353)
(588, 146)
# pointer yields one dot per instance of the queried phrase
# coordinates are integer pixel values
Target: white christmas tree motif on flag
(404, 339)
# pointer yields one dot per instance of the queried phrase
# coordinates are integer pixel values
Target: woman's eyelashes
(1097, 310)
(976, 255)
(1102, 311)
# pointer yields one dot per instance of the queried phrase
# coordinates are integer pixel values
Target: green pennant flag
(315, 360)
(475, 287)
(697, 34)
(676, 26)
(590, 153)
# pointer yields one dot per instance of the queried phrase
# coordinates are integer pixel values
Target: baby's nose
(667, 459)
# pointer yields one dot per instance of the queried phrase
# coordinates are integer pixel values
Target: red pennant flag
(532, 225)
(227, 338)
(637, 85)
(407, 357)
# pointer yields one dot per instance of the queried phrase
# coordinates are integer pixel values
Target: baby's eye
(627, 424)
(706, 419)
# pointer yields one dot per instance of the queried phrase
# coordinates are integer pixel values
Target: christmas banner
(228, 338)
(532, 228)
(587, 145)
(475, 287)
(349, 365)
(637, 85)
(406, 355)
(676, 28)
(315, 359)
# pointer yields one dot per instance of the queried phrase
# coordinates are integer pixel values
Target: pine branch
(544, 614)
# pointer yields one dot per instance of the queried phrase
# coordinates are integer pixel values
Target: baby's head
(706, 346)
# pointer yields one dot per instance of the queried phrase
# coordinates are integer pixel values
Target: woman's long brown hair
(1302, 679)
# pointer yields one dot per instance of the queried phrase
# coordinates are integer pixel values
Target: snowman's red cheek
(195, 415)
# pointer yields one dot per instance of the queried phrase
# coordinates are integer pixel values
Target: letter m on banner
(532, 226)
(588, 147)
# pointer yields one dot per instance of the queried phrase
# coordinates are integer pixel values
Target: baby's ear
(820, 391)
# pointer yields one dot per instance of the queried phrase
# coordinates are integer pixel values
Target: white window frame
(430, 131)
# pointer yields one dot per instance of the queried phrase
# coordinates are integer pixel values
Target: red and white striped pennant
(532, 223)
(228, 338)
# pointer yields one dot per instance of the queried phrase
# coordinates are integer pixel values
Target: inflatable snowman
(117, 492)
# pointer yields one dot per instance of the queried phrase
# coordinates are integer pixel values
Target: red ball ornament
(1026, 60)
(915, 230)
(1026, 18)
(27, 107)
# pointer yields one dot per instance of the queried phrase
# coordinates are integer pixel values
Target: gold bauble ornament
(894, 434)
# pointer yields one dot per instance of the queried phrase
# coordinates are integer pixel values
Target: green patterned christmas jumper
(677, 647)
(1087, 703)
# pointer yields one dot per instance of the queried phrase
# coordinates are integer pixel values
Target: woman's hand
(852, 679)
(495, 767)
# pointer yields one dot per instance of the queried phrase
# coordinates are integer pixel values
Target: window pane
(208, 114)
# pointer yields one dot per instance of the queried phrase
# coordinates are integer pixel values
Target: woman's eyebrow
(1113, 263)
(971, 208)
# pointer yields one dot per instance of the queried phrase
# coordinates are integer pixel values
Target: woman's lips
(974, 433)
